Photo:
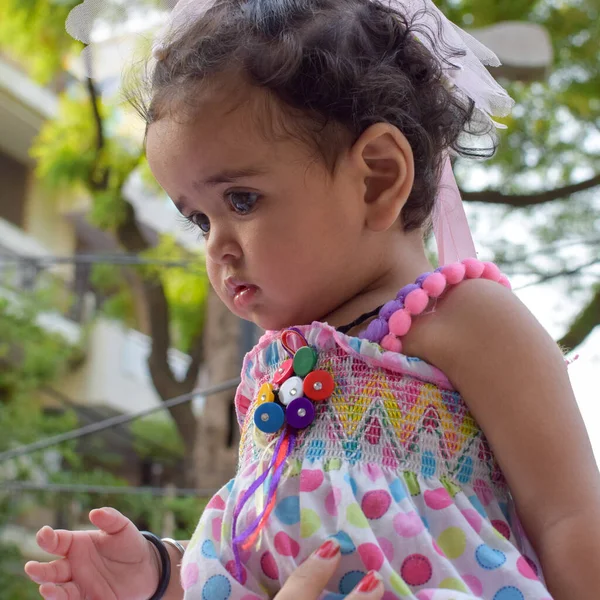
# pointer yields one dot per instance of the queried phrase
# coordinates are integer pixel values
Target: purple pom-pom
(389, 309)
(422, 278)
(377, 330)
(407, 289)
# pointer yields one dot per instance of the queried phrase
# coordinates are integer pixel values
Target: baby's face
(284, 237)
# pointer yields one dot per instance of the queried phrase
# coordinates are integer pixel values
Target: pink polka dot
(389, 596)
(473, 518)
(251, 597)
(311, 479)
(371, 556)
(437, 499)
(438, 549)
(232, 569)
(245, 555)
(416, 570)
(376, 503)
(425, 595)
(269, 566)
(189, 576)
(502, 528)
(216, 502)
(333, 501)
(374, 472)
(285, 545)
(408, 524)
(217, 525)
(474, 584)
(387, 547)
(525, 568)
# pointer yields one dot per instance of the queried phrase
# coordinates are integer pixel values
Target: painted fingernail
(328, 550)
(370, 581)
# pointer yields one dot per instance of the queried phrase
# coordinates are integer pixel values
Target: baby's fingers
(68, 591)
(58, 571)
(53, 541)
(109, 520)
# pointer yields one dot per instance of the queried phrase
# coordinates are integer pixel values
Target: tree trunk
(216, 447)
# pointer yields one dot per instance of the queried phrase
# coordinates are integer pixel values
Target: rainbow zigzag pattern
(392, 419)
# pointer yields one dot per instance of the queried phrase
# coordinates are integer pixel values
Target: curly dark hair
(333, 68)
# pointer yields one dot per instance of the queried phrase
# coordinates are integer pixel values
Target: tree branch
(521, 200)
(583, 325)
(101, 183)
(197, 356)
(556, 275)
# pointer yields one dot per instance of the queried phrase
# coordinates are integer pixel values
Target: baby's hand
(115, 563)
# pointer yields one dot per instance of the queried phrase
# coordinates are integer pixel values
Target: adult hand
(310, 579)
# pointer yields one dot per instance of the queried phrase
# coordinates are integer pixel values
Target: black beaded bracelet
(165, 561)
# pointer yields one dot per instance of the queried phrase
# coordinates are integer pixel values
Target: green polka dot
(225, 530)
(453, 542)
(450, 486)
(332, 464)
(498, 534)
(398, 585)
(412, 483)
(356, 517)
(310, 522)
(451, 583)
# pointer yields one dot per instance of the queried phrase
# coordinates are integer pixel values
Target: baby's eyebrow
(228, 176)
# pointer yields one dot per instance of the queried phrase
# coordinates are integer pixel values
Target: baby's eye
(201, 221)
(243, 202)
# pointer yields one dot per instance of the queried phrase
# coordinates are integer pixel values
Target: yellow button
(265, 394)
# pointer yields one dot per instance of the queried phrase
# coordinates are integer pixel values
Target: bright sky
(545, 304)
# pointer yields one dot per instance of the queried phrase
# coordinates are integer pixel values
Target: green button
(304, 361)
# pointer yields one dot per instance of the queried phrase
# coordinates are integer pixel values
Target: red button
(285, 371)
(318, 385)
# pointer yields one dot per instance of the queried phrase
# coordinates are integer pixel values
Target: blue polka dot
(504, 509)
(509, 593)
(208, 549)
(466, 470)
(413, 359)
(350, 580)
(428, 464)
(477, 505)
(346, 544)
(352, 482)
(288, 510)
(332, 596)
(217, 588)
(489, 558)
(398, 490)
(425, 522)
(229, 486)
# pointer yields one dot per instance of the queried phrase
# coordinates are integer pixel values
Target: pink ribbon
(450, 226)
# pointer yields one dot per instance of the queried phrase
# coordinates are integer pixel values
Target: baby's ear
(385, 157)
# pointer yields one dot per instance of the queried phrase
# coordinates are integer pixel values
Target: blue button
(269, 417)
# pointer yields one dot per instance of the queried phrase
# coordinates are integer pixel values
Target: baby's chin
(269, 321)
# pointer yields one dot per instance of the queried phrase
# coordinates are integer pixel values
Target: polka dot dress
(394, 467)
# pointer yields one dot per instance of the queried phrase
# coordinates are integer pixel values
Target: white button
(290, 390)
